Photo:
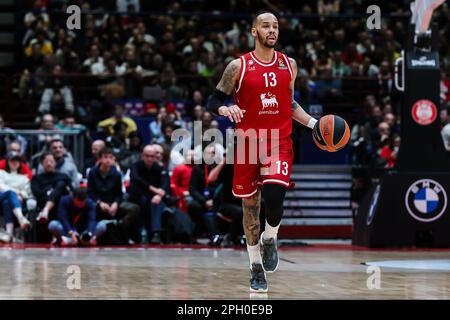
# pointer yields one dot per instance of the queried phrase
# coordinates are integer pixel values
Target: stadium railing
(35, 141)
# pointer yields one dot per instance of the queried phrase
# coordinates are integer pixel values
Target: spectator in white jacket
(12, 179)
(14, 188)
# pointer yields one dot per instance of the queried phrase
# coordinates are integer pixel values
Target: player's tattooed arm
(298, 113)
(295, 105)
(229, 77)
(251, 207)
(225, 87)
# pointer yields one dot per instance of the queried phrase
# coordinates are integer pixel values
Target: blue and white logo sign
(373, 205)
(426, 200)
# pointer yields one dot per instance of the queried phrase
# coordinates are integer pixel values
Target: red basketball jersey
(263, 91)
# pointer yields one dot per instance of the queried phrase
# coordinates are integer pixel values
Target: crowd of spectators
(137, 59)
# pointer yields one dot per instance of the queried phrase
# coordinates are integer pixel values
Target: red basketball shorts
(272, 165)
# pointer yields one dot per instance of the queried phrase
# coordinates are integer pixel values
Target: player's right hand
(234, 113)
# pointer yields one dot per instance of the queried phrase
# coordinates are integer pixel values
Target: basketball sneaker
(258, 281)
(269, 254)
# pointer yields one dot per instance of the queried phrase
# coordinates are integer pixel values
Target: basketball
(331, 133)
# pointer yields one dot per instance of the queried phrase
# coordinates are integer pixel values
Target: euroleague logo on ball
(424, 112)
(426, 200)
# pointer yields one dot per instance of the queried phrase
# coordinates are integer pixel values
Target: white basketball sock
(254, 254)
(270, 232)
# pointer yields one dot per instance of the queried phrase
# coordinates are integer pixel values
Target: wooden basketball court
(319, 271)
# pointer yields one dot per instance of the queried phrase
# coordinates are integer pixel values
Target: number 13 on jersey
(282, 167)
(270, 79)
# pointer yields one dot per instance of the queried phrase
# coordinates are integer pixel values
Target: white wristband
(311, 123)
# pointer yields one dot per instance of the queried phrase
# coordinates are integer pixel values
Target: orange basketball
(331, 133)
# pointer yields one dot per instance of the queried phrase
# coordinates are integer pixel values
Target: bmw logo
(426, 200)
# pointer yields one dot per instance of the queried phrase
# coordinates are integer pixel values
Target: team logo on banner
(424, 112)
(426, 200)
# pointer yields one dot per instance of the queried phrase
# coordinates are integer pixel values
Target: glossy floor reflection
(315, 272)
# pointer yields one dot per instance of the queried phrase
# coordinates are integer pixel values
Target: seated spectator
(14, 147)
(12, 179)
(99, 68)
(180, 179)
(118, 141)
(379, 140)
(48, 187)
(351, 55)
(125, 6)
(93, 58)
(12, 211)
(388, 153)
(47, 123)
(389, 118)
(64, 162)
(328, 87)
(360, 149)
(227, 205)
(156, 133)
(147, 190)
(162, 156)
(107, 125)
(14, 189)
(41, 39)
(201, 208)
(96, 147)
(69, 123)
(76, 222)
(368, 69)
(105, 188)
(6, 140)
(338, 68)
(133, 153)
(57, 96)
(371, 126)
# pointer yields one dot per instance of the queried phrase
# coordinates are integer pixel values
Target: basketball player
(263, 85)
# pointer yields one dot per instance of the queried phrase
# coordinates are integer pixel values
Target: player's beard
(263, 41)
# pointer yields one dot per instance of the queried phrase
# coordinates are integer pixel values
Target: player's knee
(273, 195)
(252, 200)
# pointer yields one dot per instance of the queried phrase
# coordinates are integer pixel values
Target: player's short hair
(260, 12)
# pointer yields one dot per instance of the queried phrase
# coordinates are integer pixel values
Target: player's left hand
(234, 113)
